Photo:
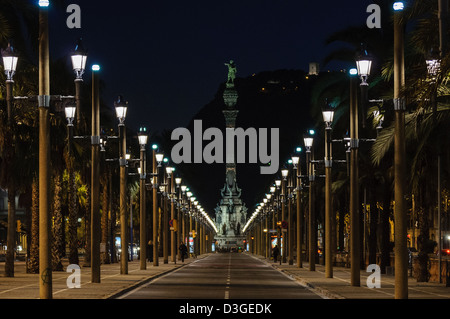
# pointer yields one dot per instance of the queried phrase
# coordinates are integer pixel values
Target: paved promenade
(339, 286)
(113, 284)
(26, 286)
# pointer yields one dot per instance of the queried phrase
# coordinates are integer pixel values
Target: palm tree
(18, 18)
(426, 125)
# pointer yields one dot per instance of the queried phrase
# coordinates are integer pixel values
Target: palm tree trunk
(33, 262)
(105, 230)
(11, 237)
(87, 255)
(73, 218)
(423, 246)
(58, 227)
(385, 258)
(112, 226)
(373, 232)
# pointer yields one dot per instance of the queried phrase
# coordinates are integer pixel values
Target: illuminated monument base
(231, 215)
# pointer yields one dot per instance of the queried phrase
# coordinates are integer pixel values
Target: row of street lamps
(364, 64)
(185, 202)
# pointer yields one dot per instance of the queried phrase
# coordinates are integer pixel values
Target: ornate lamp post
(297, 170)
(278, 183)
(309, 140)
(182, 220)
(79, 58)
(143, 139)
(121, 107)
(171, 193)
(284, 174)
(10, 60)
(354, 187)
(177, 222)
(157, 161)
(267, 237)
(328, 115)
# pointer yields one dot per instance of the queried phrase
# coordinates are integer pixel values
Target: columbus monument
(231, 212)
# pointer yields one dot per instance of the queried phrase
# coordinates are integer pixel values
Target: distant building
(314, 68)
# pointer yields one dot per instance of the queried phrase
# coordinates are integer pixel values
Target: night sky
(167, 57)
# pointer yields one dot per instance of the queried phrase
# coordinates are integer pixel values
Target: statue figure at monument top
(232, 70)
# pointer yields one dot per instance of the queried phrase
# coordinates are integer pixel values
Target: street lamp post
(70, 112)
(364, 65)
(273, 210)
(10, 60)
(177, 197)
(143, 139)
(95, 181)
(290, 195)
(45, 256)
(277, 214)
(284, 174)
(311, 218)
(354, 188)
(165, 195)
(157, 160)
(121, 107)
(171, 192)
(297, 170)
(267, 238)
(328, 115)
(78, 59)
(182, 219)
(400, 239)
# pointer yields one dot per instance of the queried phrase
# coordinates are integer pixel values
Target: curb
(147, 280)
(315, 289)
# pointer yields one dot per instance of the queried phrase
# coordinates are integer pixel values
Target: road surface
(223, 276)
